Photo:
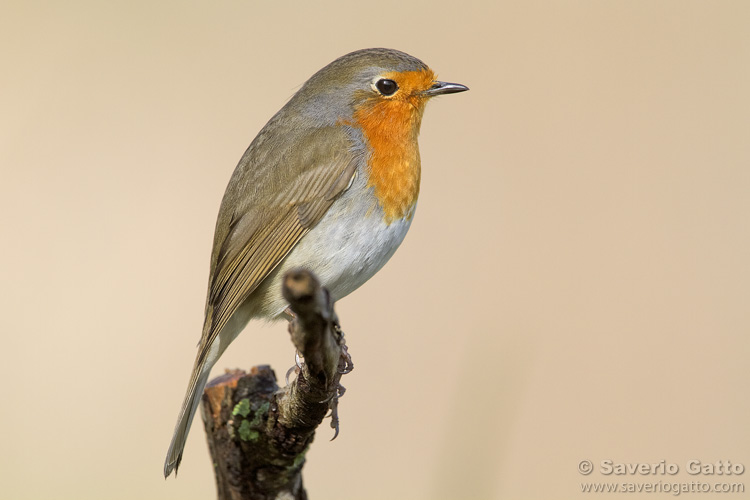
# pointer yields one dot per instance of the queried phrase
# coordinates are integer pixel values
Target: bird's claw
(334, 406)
(346, 364)
(298, 364)
(292, 369)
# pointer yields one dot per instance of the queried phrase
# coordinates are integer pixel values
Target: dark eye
(386, 87)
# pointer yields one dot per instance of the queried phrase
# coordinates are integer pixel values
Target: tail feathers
(198, 379)
(189, 406)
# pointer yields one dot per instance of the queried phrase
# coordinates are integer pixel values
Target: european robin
(330, 183)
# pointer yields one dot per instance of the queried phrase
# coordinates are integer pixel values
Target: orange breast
(391, 127)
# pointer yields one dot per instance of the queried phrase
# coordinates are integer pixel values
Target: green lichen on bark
(246, 432)
(261, 414)
(242, 408)
(249, 429)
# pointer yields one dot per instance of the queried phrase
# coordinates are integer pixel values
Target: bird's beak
(439, 88)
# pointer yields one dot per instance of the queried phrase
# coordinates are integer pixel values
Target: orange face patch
(391, 126)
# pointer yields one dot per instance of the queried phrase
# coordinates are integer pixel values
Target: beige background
(575, 284)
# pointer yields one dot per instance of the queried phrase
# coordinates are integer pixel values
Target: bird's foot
(299, 362)
(346, 365)
(340, 390)
(345, 362)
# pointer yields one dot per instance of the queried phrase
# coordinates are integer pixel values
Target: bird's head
(373, 86)
(381, 93)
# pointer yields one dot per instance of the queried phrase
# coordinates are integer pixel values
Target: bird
(330, 183)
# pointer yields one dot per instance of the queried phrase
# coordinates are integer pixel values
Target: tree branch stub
(257, 433)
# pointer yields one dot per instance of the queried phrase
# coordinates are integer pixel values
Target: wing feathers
(254, 263)
(259, 236)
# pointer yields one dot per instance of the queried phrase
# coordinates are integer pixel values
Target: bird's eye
(386, 87)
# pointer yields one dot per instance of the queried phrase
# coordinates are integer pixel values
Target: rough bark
(258, 434)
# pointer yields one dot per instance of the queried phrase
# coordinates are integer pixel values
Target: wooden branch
(257, 434)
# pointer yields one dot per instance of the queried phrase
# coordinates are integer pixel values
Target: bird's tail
(198, 380)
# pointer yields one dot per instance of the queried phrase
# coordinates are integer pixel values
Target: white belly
(346, 248)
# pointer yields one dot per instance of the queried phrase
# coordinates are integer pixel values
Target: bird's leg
(346, 365)
(288, 314)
